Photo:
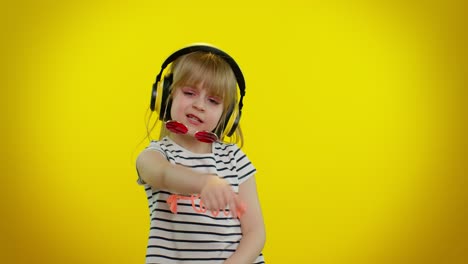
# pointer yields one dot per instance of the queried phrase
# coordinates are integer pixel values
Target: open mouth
(194, 118)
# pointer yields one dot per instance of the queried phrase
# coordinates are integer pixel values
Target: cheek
(175, 108)
(217, 115)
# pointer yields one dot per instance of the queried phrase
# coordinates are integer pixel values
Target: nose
(199, 104)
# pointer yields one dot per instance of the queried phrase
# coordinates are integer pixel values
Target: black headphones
(159, 99)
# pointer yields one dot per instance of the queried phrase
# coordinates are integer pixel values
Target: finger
(226, 197)
(214, 201)
(235, 202)
(206, 199)
(232, 209)
(218, 200)
(202, 207)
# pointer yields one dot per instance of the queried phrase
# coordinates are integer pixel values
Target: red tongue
(206, 137)
(176, 127)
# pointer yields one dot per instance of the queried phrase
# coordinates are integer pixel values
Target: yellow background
(354, 117)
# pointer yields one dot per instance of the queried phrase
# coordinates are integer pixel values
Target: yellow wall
(353, 118)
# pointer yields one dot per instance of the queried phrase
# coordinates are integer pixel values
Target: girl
(201, 191)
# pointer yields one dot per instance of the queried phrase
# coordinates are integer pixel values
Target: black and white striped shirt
(189, 236)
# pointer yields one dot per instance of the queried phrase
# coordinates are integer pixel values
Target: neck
(190, 143)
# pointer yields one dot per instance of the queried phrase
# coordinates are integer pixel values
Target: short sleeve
(153, 146)
(156, 146)
(245, 168)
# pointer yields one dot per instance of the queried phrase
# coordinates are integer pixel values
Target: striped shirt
(189, 236)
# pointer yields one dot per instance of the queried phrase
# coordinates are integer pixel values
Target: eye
(214, 100)
(188, 92)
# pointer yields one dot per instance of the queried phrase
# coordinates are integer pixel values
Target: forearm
(183, 180)
(157, 172)
(249, 248)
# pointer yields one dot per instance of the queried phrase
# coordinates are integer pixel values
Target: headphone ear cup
(234, 125)
(233, 117)
(165, 102)
(154, 95)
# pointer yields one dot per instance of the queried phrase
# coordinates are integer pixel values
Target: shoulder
(164, 142)
(156, 146)
(165, 145)
(225, 149)
(233, 154)
(228, 149)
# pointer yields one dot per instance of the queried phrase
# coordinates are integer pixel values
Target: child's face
(196, 108)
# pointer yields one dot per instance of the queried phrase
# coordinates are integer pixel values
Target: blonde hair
(217, 78)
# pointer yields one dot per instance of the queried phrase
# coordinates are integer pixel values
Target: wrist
(205, 179)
